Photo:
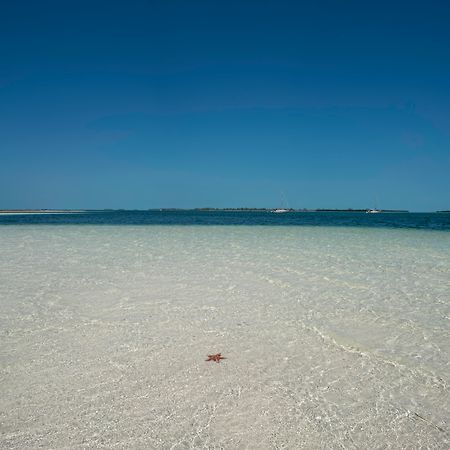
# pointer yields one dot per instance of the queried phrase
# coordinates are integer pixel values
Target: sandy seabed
(333, 337)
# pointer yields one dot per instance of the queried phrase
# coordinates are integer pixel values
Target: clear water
(430, 221)
(335, 336)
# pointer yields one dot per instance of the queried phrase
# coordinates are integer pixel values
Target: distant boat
(280, 210)
(374, 210)
(285, 208)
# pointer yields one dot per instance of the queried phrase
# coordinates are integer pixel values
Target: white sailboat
(374, 210)
(285, 207)
(280, 210)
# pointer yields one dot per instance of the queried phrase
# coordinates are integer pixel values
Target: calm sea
(334, 326)
(432, 221)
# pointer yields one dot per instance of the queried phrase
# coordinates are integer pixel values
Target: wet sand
(333, 338)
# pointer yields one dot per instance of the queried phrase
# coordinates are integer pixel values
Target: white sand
(29, 213)
(334, 337)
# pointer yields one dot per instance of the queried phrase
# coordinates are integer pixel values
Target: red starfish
(215, 358)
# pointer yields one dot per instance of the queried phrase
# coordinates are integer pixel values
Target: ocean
(432, 221)
(334, 328)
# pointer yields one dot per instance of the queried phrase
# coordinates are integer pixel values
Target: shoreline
(73, 211)
(40, 211)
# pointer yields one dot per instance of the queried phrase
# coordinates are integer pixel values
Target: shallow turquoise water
(335, 336)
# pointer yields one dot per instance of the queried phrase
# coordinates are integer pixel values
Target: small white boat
(284, 205)
(280, 210)
(373, 211)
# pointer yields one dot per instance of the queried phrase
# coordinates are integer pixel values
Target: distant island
(73, 211)
(41, 211)
(295, 210)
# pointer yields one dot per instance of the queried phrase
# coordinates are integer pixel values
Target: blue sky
(146, 104)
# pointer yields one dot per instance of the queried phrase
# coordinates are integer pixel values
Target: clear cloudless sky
(148, 104)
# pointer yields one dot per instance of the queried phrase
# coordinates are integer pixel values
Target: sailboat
(284, 209)
(374, 210)
(280, 210)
